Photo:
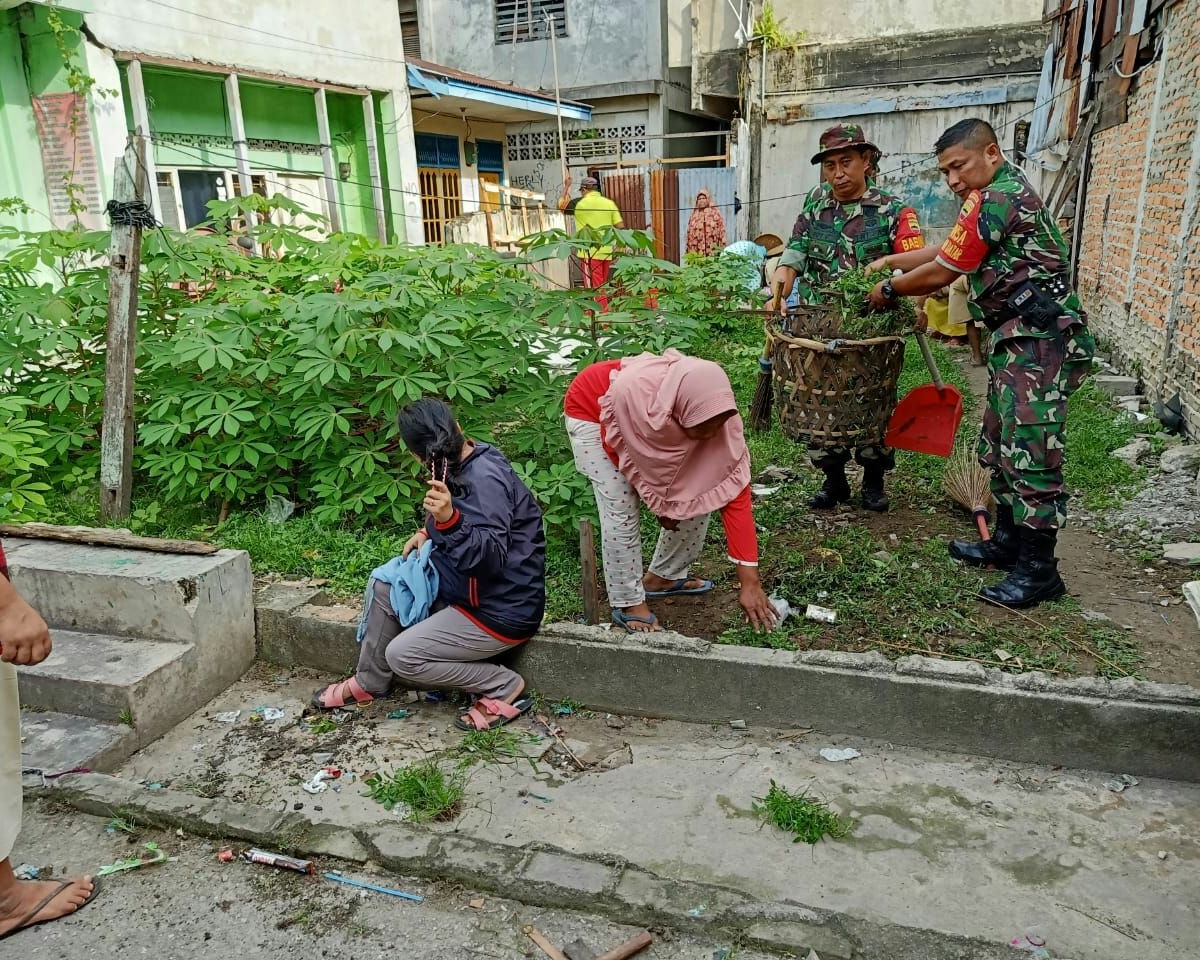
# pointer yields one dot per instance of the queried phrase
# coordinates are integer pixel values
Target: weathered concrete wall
(615, 42)
(1126, 725)
(905, 91)
(1139, 261)
(905, 133)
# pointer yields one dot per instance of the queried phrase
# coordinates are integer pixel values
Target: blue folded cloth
(414, 583)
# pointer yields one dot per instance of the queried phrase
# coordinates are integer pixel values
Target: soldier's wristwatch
(888, 290)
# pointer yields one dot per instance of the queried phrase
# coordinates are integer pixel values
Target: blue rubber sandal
(678, 589)
(624, 620)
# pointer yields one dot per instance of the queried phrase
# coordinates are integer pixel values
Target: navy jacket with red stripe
(491, 554)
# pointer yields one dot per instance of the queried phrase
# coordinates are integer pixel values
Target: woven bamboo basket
(832, 392)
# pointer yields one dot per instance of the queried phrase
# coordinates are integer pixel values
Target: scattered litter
(317, 784)
(27, 871)
(434, 696)
(297, 805)
(268, 859)
(698, 911)
(399, 715)
(156, 855)
(564, 709)
(225, 855)
(230, 716)
(322, 758)
(350, 882)
(340, 716)
(476, 904)
(279, 509)
(154, 786)
(776, 474)
(762, 491)
(1002, 655)
(812, 955)
(738, 724)
(820, 614)
(1121, 783)
(834, 755)
(782, 607)
(533, 796)
(722, 953)
(269, 713)
(614, 723)
(1162, 854)
(882, 556)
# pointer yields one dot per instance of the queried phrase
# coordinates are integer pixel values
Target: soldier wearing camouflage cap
(846, 222)
(1016, 262)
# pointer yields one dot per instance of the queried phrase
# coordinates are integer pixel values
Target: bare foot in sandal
(638, 619)
(27, 903)
(341, 694)
(486, 712)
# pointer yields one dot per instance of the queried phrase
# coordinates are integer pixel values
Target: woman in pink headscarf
(664, 431)
(706, 227)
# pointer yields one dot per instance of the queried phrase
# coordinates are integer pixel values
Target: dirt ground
(1118, 598)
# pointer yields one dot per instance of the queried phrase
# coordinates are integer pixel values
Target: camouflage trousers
(1024, 424)
(871, 454)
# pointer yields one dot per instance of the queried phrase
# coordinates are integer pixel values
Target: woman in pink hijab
(706, 228)
(664, 431)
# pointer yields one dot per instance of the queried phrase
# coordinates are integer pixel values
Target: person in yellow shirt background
(595, 210)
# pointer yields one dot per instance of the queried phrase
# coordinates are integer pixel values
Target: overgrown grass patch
(497, 745)
(806, 817)
(1095, 428)
(422, 791)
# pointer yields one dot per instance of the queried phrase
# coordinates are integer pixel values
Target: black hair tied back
(429, 430)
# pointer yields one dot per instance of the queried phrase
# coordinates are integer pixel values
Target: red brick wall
(1151, 326)
(68, 154)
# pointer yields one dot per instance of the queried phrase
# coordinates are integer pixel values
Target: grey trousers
(441, 652)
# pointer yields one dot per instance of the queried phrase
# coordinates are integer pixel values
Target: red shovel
(926, 420)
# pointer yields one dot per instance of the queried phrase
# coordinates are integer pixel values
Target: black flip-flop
(62, 885)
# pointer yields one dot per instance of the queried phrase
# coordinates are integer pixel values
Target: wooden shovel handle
(929, 362)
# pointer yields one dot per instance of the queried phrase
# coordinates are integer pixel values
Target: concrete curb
(1124, 726)
(535, 874)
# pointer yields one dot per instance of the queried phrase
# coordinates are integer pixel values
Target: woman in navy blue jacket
(489, 551)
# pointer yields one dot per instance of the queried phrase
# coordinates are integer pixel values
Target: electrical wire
(212, 153)
(341, 52)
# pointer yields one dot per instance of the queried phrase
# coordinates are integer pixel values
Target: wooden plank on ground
(105, 537)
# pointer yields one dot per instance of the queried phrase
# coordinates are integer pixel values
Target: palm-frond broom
(969, 485)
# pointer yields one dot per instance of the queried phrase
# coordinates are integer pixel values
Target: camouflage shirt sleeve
(794, 254)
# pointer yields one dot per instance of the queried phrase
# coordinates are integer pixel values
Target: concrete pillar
(331, 197)
(399, 149)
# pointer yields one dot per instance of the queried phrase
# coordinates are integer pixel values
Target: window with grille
(523, 20)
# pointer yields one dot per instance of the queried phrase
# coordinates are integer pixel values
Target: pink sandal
(487, 714)
(338, 695)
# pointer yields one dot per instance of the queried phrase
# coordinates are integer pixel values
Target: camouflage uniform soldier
(846, 222)
(1039, 352)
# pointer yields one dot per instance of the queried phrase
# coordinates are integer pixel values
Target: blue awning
(451, 86)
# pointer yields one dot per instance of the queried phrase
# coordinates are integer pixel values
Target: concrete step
(137, 593)
(54, 742)
(191, 619)
(142, 683)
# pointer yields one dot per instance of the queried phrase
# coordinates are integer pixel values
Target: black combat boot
(999, 552)
(1035, 577)
(873, 496)
(835, 489)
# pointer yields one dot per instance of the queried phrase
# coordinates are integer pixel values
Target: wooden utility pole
(124, 268)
